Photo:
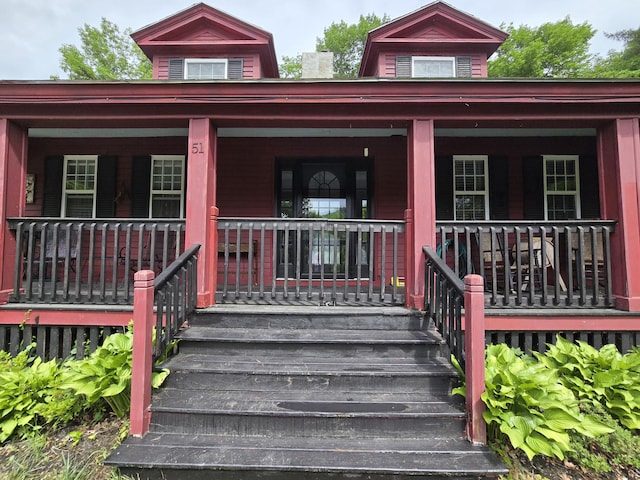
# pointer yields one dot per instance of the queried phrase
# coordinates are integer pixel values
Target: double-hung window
(471, 187)
(79, 186)
(206, 69)
(433, 67)
(167, 186)
(561, 187)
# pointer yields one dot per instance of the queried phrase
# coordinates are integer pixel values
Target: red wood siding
(251, 65)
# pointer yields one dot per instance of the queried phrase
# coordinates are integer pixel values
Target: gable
(436, 29)
(203, 29)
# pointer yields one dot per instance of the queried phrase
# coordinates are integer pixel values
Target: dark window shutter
(444, 188)
(463, 67)
(140, 186)
(52, 191)
(403, 66)
(498, 188)
(106, 188)
(176, 69)
(533, 188)
(235, 68)
(589, 187)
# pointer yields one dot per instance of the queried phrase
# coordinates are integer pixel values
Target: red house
(436, 148)
(324, 192)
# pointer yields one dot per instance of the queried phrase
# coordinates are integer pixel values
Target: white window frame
(485, 192)
(206, 60)
(575, 193)
(70, 192)
(432, 59)
(180, 192)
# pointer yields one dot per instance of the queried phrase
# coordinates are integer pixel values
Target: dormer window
(205, 69)
(433, 67)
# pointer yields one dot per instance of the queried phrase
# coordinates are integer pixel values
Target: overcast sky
(31, 31)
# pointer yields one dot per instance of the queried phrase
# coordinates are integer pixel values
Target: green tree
(105, 53)
(347, 43)
(291, 67)
(559, 49)
(623, 64)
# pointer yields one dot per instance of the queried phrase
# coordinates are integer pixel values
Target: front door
(324, 189)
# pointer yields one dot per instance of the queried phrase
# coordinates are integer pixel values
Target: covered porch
(309, 202)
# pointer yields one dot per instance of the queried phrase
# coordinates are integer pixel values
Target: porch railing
(444, 301)
(175, 293)
(82, 260)
(543, 264)
(447, 300)
(314, 261)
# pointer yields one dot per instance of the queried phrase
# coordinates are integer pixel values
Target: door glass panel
(333, 208)
(324, 190)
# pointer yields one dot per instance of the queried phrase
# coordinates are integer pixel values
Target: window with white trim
(167, 186)
(561, 187)
(79, 186)
(470, 187)
(205, 68)
(433, 67)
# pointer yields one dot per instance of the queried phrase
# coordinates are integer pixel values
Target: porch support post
(421, 211)
(201, 196)
(13, 161)
(619, 168)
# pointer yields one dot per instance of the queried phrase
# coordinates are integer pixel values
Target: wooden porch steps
(308, 393)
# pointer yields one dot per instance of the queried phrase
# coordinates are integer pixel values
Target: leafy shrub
(599, 377)
(106, 374)
(527, 403)
(31, 394)
(619, 448)
(34, 393)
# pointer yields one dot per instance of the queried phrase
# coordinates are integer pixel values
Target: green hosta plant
(34, 393)
(601, 377)
(106, 374)
(527, 403)
(30, 394)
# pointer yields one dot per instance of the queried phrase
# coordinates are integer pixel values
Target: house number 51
(196, 147)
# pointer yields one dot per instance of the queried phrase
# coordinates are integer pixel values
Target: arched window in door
(324, 197)
(324, 184)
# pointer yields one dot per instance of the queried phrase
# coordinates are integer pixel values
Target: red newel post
(475, 353)
(142, 366)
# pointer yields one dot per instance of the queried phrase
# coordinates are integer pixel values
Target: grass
(75, 453)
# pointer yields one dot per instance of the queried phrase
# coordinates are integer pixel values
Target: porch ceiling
(284, 132)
